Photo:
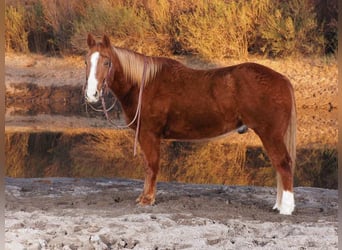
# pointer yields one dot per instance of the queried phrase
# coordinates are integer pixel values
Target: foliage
(15, 33)
(291, 28)
(40, 36)
(212, 29)
(127, 26)
(218, 29)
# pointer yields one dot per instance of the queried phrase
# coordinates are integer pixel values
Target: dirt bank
(62, 213)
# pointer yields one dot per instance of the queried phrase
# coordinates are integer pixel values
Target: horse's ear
(91, 41)
(106, 41)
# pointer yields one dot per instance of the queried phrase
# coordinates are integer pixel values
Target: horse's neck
(127, 94)
(119, 83)
(125, 89)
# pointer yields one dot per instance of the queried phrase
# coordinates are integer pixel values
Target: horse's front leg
(150, 145)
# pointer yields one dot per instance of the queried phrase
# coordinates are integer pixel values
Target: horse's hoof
(145, 201)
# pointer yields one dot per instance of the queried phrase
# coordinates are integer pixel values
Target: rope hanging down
(137, 115)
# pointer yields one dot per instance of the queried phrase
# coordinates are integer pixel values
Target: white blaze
(92, 81)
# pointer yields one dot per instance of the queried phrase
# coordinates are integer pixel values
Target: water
(33, 108)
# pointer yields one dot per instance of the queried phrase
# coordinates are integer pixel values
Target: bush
(291, 28)
(40, 34)
(125, 25)
(218, 29)
(204, 31)
(60, 16)
(211, 29)
(15, 33)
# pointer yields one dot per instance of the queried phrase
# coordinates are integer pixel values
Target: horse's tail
(290, 136)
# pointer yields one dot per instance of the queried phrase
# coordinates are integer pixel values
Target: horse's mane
(133, 65)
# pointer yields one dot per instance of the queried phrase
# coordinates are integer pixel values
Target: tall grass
(211, 29)
(218, 29)
(290, 28)
(127, 26)
(15, 33)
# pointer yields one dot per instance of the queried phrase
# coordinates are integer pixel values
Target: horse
(162, 99)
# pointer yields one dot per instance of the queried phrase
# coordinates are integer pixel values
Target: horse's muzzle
(92, 98)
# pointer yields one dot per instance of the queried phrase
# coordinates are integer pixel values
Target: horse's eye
(85, 62)
(106, 63)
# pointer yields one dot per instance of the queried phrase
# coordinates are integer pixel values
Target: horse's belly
(198, 127)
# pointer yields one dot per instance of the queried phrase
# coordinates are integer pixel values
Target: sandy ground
(66, 213)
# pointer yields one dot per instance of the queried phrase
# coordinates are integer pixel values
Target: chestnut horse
(181, 103)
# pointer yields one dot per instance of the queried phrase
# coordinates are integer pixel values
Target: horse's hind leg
(279, 192)
(280, 158)
(150, 146)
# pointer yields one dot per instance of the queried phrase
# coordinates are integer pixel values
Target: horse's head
(98, 67)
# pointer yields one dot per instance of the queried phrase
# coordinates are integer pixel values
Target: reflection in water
(28, 99)
(30, 105)
(109, 153)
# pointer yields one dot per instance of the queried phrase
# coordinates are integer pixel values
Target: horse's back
(258, 75)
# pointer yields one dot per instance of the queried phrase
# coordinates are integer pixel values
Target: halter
(105, 90)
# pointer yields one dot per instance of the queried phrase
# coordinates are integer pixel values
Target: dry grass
(212, 29)
(15, 33)
(218, 29)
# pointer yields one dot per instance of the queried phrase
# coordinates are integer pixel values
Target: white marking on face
(287, 203)
(92, 81)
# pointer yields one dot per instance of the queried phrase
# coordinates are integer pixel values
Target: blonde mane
(133, 66)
